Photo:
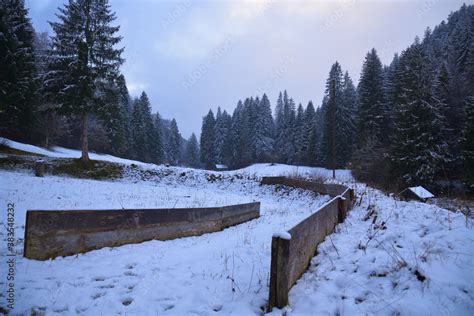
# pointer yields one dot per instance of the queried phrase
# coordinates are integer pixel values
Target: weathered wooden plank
(279, 272)
(49, 234)
(305, 236)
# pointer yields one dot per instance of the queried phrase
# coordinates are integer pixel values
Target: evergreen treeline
(67, 89)
(408, 123)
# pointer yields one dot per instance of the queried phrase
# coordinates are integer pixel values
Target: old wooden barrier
(49, 234)
(292, 251)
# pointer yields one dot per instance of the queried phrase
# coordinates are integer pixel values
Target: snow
(60, 152)
(421, 192)
(226, 271)
(372, 268)
(388, 257)
(282, 235)
(268, 169)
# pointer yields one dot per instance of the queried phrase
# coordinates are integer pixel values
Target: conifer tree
(159, 138)
(370, 99)
(467, 145)
(338, 124)
(17, 71)
(299, 132)
(309, 137)
(208, 156)
(138, 131)
(86, 62)
(262, 136)
(192, 152)
(223, 122)
(174, 144)
(418, 151)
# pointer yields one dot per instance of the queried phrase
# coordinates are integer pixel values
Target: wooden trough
(49, 234)
(292, 251)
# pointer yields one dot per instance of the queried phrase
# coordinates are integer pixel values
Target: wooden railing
(292, 250)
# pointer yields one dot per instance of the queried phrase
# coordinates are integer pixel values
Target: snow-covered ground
(183, 276)
(388, 257)
(61, 152)
(391, 257)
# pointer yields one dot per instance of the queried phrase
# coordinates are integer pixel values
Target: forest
(407, 123)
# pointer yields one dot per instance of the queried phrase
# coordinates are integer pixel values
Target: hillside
(388, 257)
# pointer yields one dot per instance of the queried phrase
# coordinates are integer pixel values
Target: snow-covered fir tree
(418, 150)
(173, 151)
(192, 156)
(17, 71)
(262, 138)
(207, 143)
(86, 61)
(467, 144)
(371, 99)
(222, 127)
(338, 124)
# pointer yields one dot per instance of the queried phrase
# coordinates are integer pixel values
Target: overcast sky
(194, 55)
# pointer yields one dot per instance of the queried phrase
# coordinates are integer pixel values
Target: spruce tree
(418, 151)
(299, 135)
(17, 71)
(371, 99)
(174, 144)
(349, 109)
(86, 62)
(262, 135)
(338, 121)
(238, 138)
(467, 145)
(223, 122)
(310, 136)
(137, 131)
(192, 152)
(208, 156)
(160, 139)
(279, 128)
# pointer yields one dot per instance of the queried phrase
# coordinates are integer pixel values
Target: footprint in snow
(130, 273)
(167, 306)
(127, 301)
(130, 266)
(97, 295)
(217, 307)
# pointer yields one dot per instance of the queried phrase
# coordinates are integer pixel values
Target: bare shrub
(372, 166)
(317, 175)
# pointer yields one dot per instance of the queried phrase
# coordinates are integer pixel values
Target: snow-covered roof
(221, 166)
(421, 192)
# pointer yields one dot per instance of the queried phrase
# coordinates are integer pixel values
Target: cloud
(206, 28)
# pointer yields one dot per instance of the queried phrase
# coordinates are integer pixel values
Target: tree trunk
(85, 144)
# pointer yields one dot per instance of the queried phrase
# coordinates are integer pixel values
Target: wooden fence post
(39, 168)
(279, 273)
(341, 214)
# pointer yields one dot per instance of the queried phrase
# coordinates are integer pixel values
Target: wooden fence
(49, 234)
(292, 251)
